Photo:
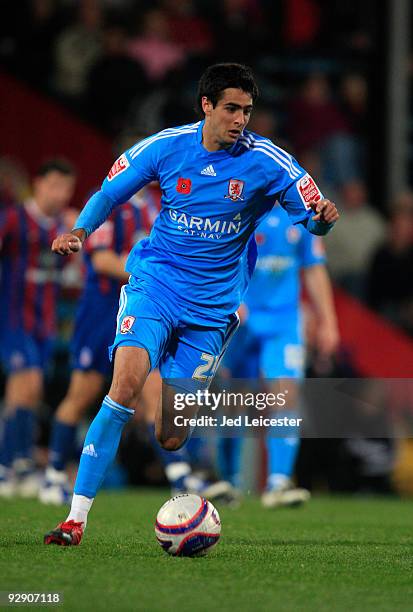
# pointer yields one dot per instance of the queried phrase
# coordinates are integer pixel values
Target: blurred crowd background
(129, 68)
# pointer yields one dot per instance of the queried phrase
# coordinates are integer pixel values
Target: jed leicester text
(239, 421)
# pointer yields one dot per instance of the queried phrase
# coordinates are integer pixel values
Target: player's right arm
(130, 172)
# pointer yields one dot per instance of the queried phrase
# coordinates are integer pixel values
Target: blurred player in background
(29, 284)
(188, 278)
(270, 344)
(105, 254)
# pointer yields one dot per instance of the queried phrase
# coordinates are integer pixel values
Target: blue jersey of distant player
(211, 204)
(270, 342)
(98, 305)
(283, 250)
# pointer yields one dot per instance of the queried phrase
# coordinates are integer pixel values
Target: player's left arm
(301, 209)
(319, 289)
(298, 194)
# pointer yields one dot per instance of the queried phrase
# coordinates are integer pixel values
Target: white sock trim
(80, 508)
(277, 481)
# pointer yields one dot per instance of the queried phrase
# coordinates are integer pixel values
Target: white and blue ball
(187, 525)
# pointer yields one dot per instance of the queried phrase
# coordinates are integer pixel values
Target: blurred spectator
(354, 97)
(36, 26)
(302, 23)
(317, 124)
(14, 182)
(355, 107)
(240, 31)
(264, 122)
(389, 282)
(187, 29)
(77, 48)
(114, 81)
(349, 28)
(153, 47)
(355, 238)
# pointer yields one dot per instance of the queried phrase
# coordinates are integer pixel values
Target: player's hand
(327, 339)
(325, 211)
(66, 244)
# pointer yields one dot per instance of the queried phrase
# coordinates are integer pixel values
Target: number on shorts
(206, 371)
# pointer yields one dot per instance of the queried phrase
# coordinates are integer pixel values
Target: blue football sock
(25, 425)
(62, 444)
(229, 459)
(100, 446)
(7, 443)
(282, 453)
(175, 463)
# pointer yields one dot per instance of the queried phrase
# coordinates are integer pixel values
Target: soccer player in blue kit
(270, 344)
(188, 277)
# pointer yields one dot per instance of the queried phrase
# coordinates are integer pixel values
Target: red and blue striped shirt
(30, 272)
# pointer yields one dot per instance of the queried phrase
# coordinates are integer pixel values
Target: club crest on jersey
(308, 190)
(184, 185)
(120, 165)
(126, 325)
(235, 189)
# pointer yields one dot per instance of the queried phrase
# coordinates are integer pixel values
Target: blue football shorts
(20, 351)
(179, 343)
(262, 349)
(94, 331)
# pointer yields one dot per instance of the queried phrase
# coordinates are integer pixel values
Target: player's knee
(171, 444)
(125, 391)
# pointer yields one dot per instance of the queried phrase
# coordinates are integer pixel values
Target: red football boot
(65, 534)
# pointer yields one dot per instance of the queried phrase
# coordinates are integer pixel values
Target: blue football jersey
(212, 202)
(283, 250)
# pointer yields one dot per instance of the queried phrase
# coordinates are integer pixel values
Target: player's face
(225, 122)
(53, 191)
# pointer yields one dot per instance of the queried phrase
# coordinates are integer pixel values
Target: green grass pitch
(334, 554)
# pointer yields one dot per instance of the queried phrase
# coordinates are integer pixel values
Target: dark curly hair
(218, 77)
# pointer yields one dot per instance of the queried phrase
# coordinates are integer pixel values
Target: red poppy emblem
(259, 238)
(184, 185)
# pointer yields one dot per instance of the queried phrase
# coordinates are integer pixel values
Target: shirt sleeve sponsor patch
(120, 165)
(308, 190)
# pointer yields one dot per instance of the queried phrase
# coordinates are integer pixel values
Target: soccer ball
(187, 525)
